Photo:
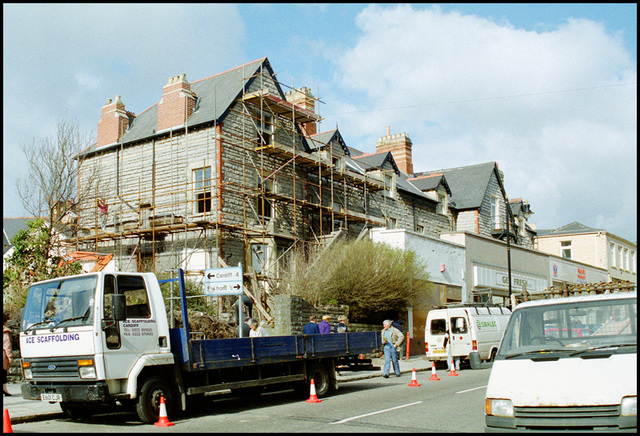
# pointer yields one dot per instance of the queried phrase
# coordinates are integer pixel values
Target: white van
(474, 328)
(567, 364)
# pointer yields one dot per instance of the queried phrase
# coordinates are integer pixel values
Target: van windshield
(569, 329)
(66, 302)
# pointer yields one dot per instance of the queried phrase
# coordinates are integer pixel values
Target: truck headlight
(26, 370)
(87, 370)
(629, 406)
(498, 407)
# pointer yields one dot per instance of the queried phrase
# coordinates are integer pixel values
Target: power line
(486, 98)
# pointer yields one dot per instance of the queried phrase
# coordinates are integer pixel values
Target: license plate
(439, 351)
(51, 397)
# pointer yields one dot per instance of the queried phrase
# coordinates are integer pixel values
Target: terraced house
(232, 169)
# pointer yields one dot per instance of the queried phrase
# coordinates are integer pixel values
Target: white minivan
(472, 327)
(567, 364)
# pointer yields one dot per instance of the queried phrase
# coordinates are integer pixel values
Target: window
(260, 258)
(612, 254)
(420, 229)
(566, 249)
(619, 259)
(202, 189)
(632, 262)
(458, 325)
(495, 213)
(265, 210)
(264, 124)
(441, 208)
(392, 223)
(626, 259)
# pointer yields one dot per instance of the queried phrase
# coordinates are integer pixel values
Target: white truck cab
(567, 364)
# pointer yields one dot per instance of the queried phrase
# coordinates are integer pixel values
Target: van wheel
(321, 379)
(148, 405)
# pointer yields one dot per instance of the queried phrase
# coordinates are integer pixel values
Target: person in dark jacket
(311, 328)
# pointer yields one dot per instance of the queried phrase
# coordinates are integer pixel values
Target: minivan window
(438, 326)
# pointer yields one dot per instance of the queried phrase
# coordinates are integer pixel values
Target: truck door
(460, 335)
(125, 341)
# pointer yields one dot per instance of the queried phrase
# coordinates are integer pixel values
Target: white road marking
(472, 389)
(375, 413)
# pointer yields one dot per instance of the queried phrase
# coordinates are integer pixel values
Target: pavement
(21, 410)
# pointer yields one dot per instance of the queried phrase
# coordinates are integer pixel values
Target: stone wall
(292, 313)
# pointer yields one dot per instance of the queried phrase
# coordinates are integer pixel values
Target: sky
(548, 91)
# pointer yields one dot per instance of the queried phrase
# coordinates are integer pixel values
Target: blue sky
(549, 91)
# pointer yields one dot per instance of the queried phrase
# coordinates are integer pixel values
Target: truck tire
(148, 404)
(321, 379)
(77, 411)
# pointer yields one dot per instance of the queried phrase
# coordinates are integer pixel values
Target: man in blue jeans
(391, 340)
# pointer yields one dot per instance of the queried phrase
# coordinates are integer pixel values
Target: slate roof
(569, 229)
(430, 182)
(376, 160)
(215, 95)
(468, 184)
(323, 139)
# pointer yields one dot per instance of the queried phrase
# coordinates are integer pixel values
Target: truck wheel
(321, 379)
(77, 411)
(148, 405)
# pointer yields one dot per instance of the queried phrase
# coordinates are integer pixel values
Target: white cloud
(555, 108)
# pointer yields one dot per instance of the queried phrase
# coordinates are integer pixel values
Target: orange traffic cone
(434, 376)
(313, 398)
(163, 421)
(414, 382)
(453, 369)
(6, 422)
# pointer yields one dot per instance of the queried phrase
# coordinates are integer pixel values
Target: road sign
(223, 281)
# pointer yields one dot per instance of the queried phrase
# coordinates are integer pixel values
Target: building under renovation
(233, 170)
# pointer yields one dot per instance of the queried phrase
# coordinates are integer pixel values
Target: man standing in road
(311, 328)
(391, 340)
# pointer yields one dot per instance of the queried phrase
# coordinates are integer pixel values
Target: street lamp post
(508, 251)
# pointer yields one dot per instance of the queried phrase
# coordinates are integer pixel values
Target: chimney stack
(400, 147)
(114, 121)
(303, 98)
(177, 103)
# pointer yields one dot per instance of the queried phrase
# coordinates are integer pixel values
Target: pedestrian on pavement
(311, 328)
(7, 352)
(256, 329)
(343, 325)
(391, 340)
(325, 325)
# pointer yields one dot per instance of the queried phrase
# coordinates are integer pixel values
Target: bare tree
(49, 188)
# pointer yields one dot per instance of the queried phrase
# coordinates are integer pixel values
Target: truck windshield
(596, 326)
(68, 302)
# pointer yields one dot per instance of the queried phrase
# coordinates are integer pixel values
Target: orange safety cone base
(313, 398)
(6, 422)
(453, 372)
(414, 381)
(434, 376)
(164, 420)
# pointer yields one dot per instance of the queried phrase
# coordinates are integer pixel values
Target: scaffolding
(169, 209)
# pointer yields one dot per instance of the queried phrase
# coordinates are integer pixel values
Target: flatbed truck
(99, 339)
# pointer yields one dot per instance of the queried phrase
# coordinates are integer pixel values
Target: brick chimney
(303, 98)
(177, 103)
(400, 147)
(114, 121)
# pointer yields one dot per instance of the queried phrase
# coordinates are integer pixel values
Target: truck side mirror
(119, 305)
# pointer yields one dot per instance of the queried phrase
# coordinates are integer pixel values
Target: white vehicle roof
(577, 299)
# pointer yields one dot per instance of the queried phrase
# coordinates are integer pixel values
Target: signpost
(223, 281)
